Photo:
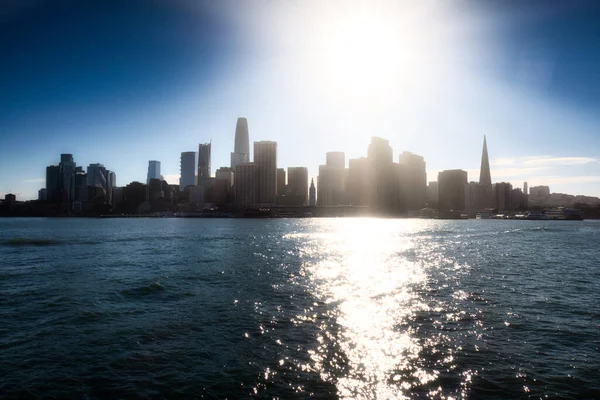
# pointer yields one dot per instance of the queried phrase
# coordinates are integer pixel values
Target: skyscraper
(414, 184)
(383, 178)
(245, 185)
(67, 165)
(331, 182)
(241, 150)
(53, 183)
(153, 170)
(187, 170)
(280, 181)
(265, 159)
(358, 178)
(451, 189)
(203, 162)
(484, 172)
(298, 183)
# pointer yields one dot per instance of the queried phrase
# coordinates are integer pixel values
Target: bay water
(357, 308)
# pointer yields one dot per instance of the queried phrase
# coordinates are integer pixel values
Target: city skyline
(513, 78)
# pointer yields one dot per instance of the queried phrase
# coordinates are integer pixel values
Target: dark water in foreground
(330, 308)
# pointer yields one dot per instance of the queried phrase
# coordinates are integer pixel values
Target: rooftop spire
(484, 173)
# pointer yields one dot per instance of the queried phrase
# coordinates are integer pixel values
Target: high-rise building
(98, 177)
(280, 181)
(42, 194)
(203, 162)
(383, 177)
(245, 184)
(414, 182)
(153, 171)
(53, 184)
(525, 195)
(265, 159)
(67, 165)
(358, 178)
(297, 185)
(502, 196)
(484, 172)
(451, 189)
(539, 191)
(187, 170)
(330, 182)
(241, 149)
(432, 194)
(312, 197)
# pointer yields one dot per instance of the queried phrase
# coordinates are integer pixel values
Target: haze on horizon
(124, 83)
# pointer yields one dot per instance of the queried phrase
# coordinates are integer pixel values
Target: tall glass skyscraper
(203, 162)
(241, 150)
(265, 159)
(153, 170)
(187, 170)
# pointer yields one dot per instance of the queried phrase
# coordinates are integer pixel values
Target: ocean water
(298, 308)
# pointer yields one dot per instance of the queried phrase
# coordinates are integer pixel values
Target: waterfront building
(67, 166)
(42, 194)
(297, 185)
(280, 181)
(245, 185)
(451, 190)
(241, 150)
(432, 194)
(331, 180)
(383, 181)
(525, 196)
(413, 180)
(502, 196)
(265, 161)
(153, 170)
(312, 197)
(203, 162)
(117, 196)
(517, 199)
(53, 184)
(358, 178)
(98, 177)
(476, 198)
(187, 170)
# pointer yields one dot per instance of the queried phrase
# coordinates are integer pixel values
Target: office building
(241, 149)
(265, 160)
(451, 190)
(331, 180)
(485, 180)
(153, 171)
(383, 182)
(413, 181)
(358, 178)
(53, 184)
(42, 194)
(432, 194)
(280, 181)
(203, 163)
(187, 170)
(67, 165)
(502, 196)
(539, 191)
(297, 185)
(245, 185)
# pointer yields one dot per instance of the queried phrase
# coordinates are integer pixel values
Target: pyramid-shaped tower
(484, 173)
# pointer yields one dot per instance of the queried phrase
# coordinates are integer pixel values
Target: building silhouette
(187, 170)
(383, 181)
(203, 163)
(265, 160)
(485, 177)
(297, 185)
(502, 196)
(245, 185)
(312, 197)
(451, 190)
(539, 191)
(53, 184)
(358, 178)
(241, 149)
(153, 170)
(413, 181)
(331, 180)
(280, 181)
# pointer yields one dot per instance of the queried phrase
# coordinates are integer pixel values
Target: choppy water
(330, 308)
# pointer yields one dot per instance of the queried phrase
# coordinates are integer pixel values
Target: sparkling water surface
(294, 308)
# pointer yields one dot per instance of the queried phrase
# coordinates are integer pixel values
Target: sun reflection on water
(373, 271)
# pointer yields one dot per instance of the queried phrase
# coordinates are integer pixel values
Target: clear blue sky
(122, 83)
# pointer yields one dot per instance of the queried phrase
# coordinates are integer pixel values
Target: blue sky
(122, 83)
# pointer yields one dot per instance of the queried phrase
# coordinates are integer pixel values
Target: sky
(122, 83)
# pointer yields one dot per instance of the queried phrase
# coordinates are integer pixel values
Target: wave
(31, 242)
(154, 287)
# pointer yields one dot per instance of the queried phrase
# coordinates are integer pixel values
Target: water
(329, 308)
